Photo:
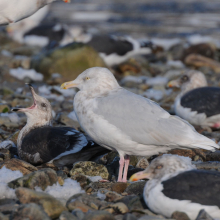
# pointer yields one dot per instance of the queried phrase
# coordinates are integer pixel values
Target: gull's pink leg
(127, 160)
(121, 163)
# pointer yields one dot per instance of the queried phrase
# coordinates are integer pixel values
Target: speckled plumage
(131, 124)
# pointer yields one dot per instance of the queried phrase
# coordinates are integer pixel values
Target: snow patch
(7, 175)
(100, 195)
(6, 53)
(63, 193)
(21, 73)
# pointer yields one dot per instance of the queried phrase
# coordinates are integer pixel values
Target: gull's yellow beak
(68, 85)
(173, 83)
(67, 1)
(140, 175)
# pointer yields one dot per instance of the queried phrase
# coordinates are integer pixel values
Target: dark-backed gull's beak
(140, 175)
(34, 98)
(67, 1)
(173, 83)
(69, 84)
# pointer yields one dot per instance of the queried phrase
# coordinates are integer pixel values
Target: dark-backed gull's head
(189, 80)
(164, 166)
(40, 113)
(93, 80)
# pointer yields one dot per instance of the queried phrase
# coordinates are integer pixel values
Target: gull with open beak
(16, 10)
(128, 123)
(176, 185)
(39, 142)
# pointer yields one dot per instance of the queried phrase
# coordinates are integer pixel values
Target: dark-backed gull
(175, 185)
(197, 103)
(131, 124)
(39, 142)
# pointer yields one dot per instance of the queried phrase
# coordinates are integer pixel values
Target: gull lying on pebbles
(176, 185)
(131, 124)
(197, 103)
(39, 142)
(16, 10)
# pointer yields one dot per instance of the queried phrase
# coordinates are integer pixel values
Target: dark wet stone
(210, 165)
(78, 213)
(180, 216)
(65, 215)
(8, 208)
(30, 211)
(203, 215)
(213, 156)
(129, 216)
(136, 188)
(99, 215)
(134, 202)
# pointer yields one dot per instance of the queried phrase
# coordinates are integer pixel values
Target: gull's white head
(166, 165)
(189, 80)
(40, 113)
(95, 80)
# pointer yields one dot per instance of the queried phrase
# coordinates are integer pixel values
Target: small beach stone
(142, 163)
(99, 215)
(203, 215)
(81, 179)
(3, 217)
(129, 216)
(78, 213)
(51, 206)
(65, 215)
(30, 211)
(89, 168)
(16, 164)
(180, 216)
(112, 196)
(119, 187)
(136, 188)
(41, 178)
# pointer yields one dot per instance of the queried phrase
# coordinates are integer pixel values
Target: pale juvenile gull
(175, 185)
(131, 124)
(16, 10)
(197, 103)
(39, 142)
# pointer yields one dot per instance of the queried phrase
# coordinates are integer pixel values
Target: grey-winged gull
(131, 124)
(39, 142)
(176, 185)
(16, 10)
(197, 103)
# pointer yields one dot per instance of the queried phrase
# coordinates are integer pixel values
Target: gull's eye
(87, 78)
(159, 167)
(184, 78)
(43, 105)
